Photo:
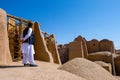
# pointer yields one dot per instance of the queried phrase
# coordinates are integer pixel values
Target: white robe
(27, 48)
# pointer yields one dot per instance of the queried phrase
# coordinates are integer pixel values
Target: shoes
(26, 64)
(33, 65)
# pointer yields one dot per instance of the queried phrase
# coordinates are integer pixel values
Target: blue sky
(93, 19)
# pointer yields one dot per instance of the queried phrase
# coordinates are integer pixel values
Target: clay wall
(52, 47)
(93, 46)
(107, 45)
(75, 50)
(5, 56)
(41, 50)
(64, 53)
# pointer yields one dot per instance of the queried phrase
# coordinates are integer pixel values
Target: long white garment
(28, 49)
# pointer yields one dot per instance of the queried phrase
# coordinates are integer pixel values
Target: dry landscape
(74, 61)
(49, 71)
(44, 71)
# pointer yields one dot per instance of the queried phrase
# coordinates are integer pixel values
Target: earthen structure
(14, 38)
(86, 69)
(92, 46)
(5, 56)
(52, 47)
(106, 45)
(41, 51)
(77, 48)
(93, 50)
(63, 52)
(45, 49)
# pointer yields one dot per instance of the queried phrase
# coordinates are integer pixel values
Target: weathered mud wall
(5, 56)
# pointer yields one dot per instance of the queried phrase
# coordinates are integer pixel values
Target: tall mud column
(5, 56)
(52, 47)
(41, 51)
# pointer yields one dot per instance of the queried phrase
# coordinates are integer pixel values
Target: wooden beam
(8, 15)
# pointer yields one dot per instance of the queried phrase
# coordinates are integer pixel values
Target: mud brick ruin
(10, 42)
(5, 57)
(101, 52)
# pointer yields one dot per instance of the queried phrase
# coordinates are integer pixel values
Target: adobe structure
(101, 52)
(103, 45)
(45, 46)
(94, 50)
(10, 42)
(52, 47)
(5, 57)
(63, 52)
(77, 48)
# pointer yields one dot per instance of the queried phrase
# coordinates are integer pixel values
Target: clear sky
(93, 19)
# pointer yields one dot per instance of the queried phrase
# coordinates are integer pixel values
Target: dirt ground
(44, 71)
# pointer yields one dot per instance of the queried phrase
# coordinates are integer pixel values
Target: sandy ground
(17, 71)
(117, 77)
(44, 71)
